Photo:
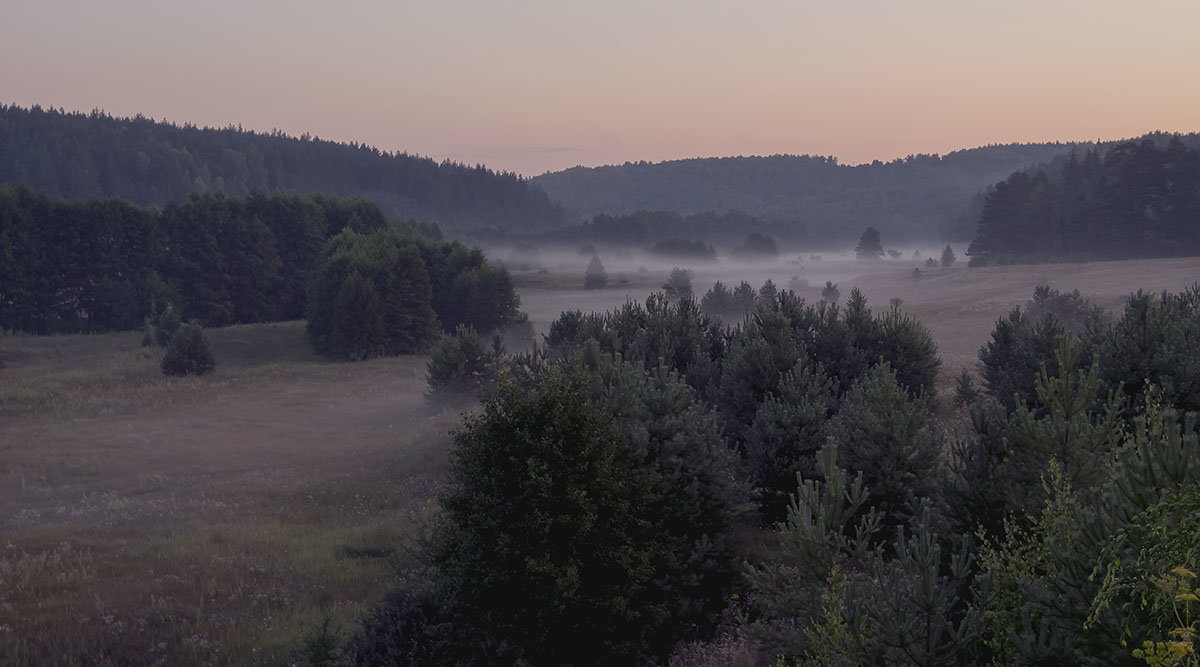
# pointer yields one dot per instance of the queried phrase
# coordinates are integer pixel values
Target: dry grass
(149, 520)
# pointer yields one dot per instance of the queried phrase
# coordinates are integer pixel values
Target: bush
(460, 366)
(188, 353)
(410, 628)
(160, 326)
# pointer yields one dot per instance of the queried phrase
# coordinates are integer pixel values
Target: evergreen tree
(678, 284)
(188, 353)
(948, 258)
(461, 366)
(370, 297)
(869, 245)
(595, 276)
(889, 438)
(830, 293)
(587, 517)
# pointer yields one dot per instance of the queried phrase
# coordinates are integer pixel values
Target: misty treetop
(1138, 199)
(88, 156)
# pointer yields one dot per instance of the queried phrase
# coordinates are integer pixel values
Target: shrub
(160, 326)
(188, 353)
(460, 365)
(410, 628)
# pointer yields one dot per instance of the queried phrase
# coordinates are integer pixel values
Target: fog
(550, 278)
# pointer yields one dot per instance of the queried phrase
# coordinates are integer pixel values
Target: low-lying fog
(633, 273)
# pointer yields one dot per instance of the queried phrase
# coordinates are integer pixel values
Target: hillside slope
(909, 199)
(84, 156)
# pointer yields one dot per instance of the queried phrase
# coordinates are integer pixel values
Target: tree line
(916, 198)
(90, 156)
(106, 265)
(1137, 199)
(596, 508)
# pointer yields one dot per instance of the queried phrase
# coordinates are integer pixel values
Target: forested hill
(916, 198)
(1135, 199)
(84, 156)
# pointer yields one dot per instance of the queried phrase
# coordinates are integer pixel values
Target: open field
(149, 520)
(218, 519)
(959, 305)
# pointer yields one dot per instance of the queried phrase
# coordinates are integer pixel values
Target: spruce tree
(948, 258)
(188, 352)
(889, 438)
(595, 277)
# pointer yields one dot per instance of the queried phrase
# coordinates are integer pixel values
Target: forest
(826, 203)
(89, 156)
(105, 264)
(1137, 199)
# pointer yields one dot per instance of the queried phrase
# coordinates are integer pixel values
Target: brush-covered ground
(232, 518)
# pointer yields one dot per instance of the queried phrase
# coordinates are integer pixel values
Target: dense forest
(1137, 199)
(915, 198)
(105, 264)
(597, 509)
(86, 156)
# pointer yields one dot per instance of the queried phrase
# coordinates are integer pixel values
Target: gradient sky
(537, 85)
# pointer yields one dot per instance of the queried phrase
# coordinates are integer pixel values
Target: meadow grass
(212, 520)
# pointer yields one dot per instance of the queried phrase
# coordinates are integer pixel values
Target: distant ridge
(920, 197)
(81, 156)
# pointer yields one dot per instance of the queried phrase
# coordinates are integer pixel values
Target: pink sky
(531, 86)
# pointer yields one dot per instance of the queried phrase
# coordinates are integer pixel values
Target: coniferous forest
(105, 264)
(596, 507)
(1137, 199)
(88, 156)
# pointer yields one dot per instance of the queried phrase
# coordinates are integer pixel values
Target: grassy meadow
(234, 517)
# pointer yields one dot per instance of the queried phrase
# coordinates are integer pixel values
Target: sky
(530, 86)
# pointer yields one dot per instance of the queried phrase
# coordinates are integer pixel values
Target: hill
(920, 197)
(86, 156)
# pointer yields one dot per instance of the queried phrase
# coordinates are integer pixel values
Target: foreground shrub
(188, 353)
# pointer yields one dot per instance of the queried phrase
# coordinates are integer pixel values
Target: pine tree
(948, 257)
(889, 438)
(188, 353)
(869, 245)
(595, 276)
(678, 284)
